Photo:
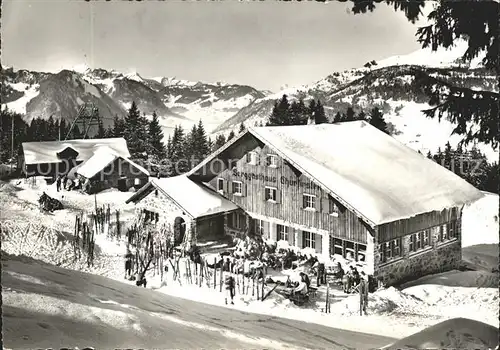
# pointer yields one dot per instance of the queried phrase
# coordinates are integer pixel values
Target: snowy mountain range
(36, 94)
(392, 85)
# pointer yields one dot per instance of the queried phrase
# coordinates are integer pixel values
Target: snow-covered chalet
(104, 162)
(346, 189)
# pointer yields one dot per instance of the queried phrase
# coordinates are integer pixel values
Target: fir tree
(337, 118)
(109, 133)
(319, 114)
(350, 115)
(230, 136)
(169, 147)
(377, 120)
(361, 116)
(220, 140)
(242, 128)
(178, 159)
(280, 113)
(155, 135)
(201, 143)
(294, 114)
(52, 133)
(101, 132)
(190, 148)
(118, 127)
(136, 133)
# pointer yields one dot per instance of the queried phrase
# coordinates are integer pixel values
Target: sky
(266, 45)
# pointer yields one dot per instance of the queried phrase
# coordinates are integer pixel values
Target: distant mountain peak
(443, 57)
(81, 68)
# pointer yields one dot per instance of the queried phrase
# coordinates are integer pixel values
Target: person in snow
(301, 288)
(346, 281)
(355, 276)
(305, 278)
(321, 274)
(339, 272)
(140, 280)
(363, 293)
(230, 288)
(128, 264)
(58, 183)
(64, 181)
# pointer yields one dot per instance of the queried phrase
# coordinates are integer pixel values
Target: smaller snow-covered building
(104, 162)
(49, 158)
(202, 212)
(107, 169)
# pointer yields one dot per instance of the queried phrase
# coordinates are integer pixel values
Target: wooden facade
(401, 228)
(393, 251)
(242, 174)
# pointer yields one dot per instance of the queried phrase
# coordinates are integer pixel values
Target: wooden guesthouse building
(346, 189)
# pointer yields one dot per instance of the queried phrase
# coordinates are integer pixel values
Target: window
(272, 160)
(238, 221)
(259, 225)
(361, 252)
(333, 209)
(309, 201)
(282, 232)
(390, 250)
(237, 188)
(252, 158)
(337, 246)
(427, 238)
(349, 250)
(220, 185)
(308, 240)
(420, 240)
(150, 216)
(452, 230)
(270, 194)
(443, 230)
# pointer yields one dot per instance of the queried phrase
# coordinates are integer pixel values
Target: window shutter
(318, 240)
(224, 186)
(325, 205)
(266, 229)
(278, 196)
(304, 236)
(243, 189)
(304, 201)
(317, 203)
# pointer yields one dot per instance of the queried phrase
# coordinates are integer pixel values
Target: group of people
(63, 182)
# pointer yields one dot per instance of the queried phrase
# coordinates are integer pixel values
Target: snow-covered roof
(46, 152)
(100, 160)
(195, 199)
(368, 171)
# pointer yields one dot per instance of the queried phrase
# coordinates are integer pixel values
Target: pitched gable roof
(195, 199)
(100, 160)
(47, 151)
(368, 171)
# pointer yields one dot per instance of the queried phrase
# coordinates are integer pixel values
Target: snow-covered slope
(393, 85)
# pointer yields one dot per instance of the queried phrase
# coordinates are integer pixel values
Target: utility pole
(12, 143)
